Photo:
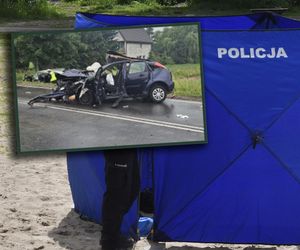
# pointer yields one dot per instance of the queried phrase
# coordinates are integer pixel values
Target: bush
(101, 3)
(170, 2)
(245, 4)
(26, 9)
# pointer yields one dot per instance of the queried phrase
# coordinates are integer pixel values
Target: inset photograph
(109, 88)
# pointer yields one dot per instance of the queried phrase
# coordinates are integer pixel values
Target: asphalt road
(49, 126)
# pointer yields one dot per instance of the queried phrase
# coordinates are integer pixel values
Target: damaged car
(141, 78)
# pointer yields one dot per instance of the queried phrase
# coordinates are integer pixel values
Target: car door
(137, 77)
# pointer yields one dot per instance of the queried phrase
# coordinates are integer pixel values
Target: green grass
(20, 82)
(187, 79)
(137, 8)
(19, 10)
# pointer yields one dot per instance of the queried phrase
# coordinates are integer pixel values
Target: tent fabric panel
(256, 98)
(85, 20)
(86, 177)
(260, 158)
(181, 173)
(283, 139)
(254, 201)
(87, 183)
(146, 165)
(239, 22)
(286, 23)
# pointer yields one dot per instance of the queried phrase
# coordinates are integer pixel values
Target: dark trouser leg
(98, 95)
(122, 93)
(122, 181)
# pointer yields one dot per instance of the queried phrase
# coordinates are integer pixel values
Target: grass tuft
(187, 79)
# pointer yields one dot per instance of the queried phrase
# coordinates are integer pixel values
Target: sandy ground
(35, 200)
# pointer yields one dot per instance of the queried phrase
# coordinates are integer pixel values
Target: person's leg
(122, 94)
(118, 198)
(98, 95)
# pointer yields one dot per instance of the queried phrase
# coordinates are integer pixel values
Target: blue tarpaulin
(244, 185)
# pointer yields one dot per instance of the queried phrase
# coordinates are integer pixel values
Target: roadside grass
(187, 80)
(22, 11)
(20, 82)
(138, 8)
(69, 9)
(206, 8)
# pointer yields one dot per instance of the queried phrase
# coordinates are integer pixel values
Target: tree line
(176, 45)
(63, 50)
(172, 45)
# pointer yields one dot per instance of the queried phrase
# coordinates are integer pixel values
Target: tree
(178, 44)
(63, 50)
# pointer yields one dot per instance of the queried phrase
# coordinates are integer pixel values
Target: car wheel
(86, 99)
(158, 93)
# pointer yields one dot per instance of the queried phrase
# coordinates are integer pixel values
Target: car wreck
(140, 78)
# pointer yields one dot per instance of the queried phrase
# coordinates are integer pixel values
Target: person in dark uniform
(122, 178)
(121, 89)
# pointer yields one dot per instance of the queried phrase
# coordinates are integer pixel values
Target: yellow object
(53, 76)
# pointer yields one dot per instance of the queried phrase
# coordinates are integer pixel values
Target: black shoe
(117, 102)
(124, 242)
(107, 245)
(121, 243)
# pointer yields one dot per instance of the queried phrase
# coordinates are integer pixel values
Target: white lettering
(233, 53)
(221, 52)
(282, 53)
(260, 53)
(243, 54)
(272, 54)
(252, 53)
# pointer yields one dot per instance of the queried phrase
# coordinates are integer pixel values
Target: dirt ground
(36, 208)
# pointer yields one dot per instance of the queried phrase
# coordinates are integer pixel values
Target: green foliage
(102, 3)
(26, 9)
(176, 45)
(187, 79)
(109, 4)
(244, 4)
(63, 50)
(170, 2)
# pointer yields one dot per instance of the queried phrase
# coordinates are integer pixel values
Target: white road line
(177, 100)
(35, 87)
(185, 101)
(127, 118)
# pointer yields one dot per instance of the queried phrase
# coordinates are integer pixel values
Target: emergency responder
(122, 178)
(121, 89)
(52, 76)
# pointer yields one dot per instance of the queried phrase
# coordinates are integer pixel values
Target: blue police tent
(244, 185)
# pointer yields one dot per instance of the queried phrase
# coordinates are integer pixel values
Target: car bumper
(171, 86)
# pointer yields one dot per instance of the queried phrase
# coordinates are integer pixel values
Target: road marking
(35, 87)
(126, 118)
(171, 99)
(185, 101)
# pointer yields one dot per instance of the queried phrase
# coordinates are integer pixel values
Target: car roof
(127, 61)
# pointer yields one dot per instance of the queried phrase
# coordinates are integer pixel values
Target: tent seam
(297, 179)
(282, 113)
(229, 111)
